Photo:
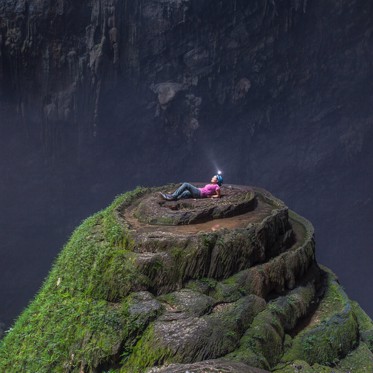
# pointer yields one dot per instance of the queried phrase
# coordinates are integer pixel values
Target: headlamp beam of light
(219, 172)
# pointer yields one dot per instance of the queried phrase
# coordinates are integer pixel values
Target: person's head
(217, 179)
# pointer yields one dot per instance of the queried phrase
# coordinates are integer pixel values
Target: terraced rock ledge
(207, 285)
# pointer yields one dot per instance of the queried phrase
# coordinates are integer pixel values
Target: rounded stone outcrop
(230, 285)
(213, 263)
(235, 201)
(168, 256)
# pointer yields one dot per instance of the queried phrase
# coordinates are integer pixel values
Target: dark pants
(186, 190)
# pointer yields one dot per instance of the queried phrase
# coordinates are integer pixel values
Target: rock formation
(206, 285)
(67, 66)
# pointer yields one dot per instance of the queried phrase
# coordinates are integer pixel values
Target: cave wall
(61, 62)
(99, 96)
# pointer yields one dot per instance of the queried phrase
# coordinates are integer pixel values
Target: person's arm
(217, 195)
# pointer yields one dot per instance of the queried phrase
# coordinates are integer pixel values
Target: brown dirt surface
(238, 207)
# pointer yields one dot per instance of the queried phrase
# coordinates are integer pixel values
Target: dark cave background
(99, 97)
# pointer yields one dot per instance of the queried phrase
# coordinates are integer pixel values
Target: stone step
(262, 247)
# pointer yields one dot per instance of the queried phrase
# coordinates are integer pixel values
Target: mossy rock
(332, 332)
(263, 343)
(208, 366)
(365, 325)
(359, 360)
(126, 296)
(301, 366)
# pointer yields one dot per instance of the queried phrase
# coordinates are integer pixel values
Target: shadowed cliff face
(97, 97)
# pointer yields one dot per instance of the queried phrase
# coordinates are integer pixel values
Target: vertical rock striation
(60, 60)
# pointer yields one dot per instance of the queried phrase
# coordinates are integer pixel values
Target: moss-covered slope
(238, 292)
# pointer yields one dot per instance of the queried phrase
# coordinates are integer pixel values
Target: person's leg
(193, 191)
(185, 194)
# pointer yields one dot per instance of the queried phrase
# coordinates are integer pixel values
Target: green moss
(166, 269)
(365, 322)
(70, 323)
(203, 285)
(115, 233)
(228, 290)
(263, 343)
(300, 366)
(178, 253)
(74, 324)
(119, 276)
(334, 298)
(59, 332)
(146, 353)
(136, 324)
(359, 360)
(365, 325)
(168, 298)
(332, 334)
(87, 257)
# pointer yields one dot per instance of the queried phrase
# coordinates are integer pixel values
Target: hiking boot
(167, 197)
